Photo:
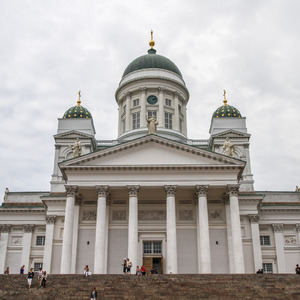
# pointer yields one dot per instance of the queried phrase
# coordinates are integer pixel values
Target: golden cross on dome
(151, 43)
(225, 101)
(79, 101)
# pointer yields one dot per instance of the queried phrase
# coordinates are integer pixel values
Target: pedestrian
(138, 271)
(44, 278)
(94, 293)
(40, 274)
(129, 265)
(297, 269)
(6, 272)
(124, 264)
(86, 271)
(143, 270)
(22, 269)
(30, 277)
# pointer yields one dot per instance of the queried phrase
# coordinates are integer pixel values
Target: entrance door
(153, 262)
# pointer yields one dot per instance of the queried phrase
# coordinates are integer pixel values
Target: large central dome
(151, 61)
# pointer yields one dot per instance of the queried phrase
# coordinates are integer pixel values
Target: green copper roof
(77, 111)
(227, 111)
(152, 61)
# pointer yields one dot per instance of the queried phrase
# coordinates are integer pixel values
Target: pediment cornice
(231, 133)
(73, 134)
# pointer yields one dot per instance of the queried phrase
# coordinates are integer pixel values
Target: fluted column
(161, 110)
(108, 200)
(171, 230)
(204, 244)
(99, 263)
(229, 235)
(4, 229)
(26, 242)
(133, 224)
(279, 244)
(237, 244)
(48, 243)
(66, 255)
(75, 234)
(256, 242)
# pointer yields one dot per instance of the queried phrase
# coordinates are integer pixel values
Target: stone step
(184, 286)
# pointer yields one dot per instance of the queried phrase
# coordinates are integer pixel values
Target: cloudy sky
(51, 49)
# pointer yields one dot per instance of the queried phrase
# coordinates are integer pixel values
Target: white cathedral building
(153, 195)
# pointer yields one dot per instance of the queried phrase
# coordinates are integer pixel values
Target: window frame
(266, 269)
(152, 248)
(168, 120)
(136, 120)
(265, 240)
(136, 102)
(42, 238)
(152, 113)
(168, 102)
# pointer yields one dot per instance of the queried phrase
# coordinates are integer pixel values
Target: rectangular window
(268, 268)
(180, 125)
(265, 240)
(37, 266)
(168, 102)
(136, 102)
(124, 108)
(152, 113)
(152, 247)
(40, 240)
(135, 120)
(168, 120)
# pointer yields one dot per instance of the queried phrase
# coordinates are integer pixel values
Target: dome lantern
(77, 111)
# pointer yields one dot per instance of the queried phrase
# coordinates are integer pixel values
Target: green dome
(151, 61)
(77, 111)
(227, 111)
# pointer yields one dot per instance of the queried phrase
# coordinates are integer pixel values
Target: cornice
(21, 210)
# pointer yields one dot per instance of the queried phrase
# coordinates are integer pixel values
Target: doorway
(155, 262)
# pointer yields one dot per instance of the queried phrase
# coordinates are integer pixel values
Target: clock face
(152, 99)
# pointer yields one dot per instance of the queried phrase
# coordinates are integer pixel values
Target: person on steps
(94, 294)
(30, 277)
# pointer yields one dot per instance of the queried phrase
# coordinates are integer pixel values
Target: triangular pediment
(152, 151)
(231, 133)
(73, 134)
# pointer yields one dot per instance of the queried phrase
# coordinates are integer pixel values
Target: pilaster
(5, 230)
(256, 241)
(279, 245)
(27, 237)
(50, 221)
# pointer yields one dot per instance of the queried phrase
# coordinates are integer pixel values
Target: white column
(256, 242)
(171, 230)
(237, 244)
(66, 255)
(4, 229)
(279, 245)
(99, 257)
(161, 111)
(106, 233)
(48, 243)
(143, 108)
(75, 234)
(26, 242)
(204, 249)
(133, 225)
(127, 113)
(229, 236)
(176, 112)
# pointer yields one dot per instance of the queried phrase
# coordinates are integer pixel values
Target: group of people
(42, 277)
(127, 264)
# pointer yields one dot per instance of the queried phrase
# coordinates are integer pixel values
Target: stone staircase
(223, 286)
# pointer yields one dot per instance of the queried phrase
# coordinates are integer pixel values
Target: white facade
(163, 200)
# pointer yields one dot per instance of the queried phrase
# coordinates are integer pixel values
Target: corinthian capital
(233, 189)
(171, 190)
(71, 190)
(28, 227)
(50, 219)
(298, 227)
(201, 190)
(5, 228)
(253, 218)
(102, 190)
(277, 227)
(133, 190)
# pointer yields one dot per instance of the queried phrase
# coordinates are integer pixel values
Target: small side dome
(77, 111)
(226, 111)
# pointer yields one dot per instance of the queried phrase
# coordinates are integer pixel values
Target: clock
(152, 99)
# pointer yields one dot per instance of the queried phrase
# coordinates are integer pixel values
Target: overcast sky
(51, 49)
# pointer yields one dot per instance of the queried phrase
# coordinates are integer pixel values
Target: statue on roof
(228, 147)
(152, 125)
(76, 148)
(297, 189)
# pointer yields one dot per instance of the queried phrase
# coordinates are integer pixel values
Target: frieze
(215, 214)
(15, 241)
(89, 215)
(119, 215)
(152, 215)
(277, 227)
(171, 190)
(133, 190)
(186, 215)
(5, 228)
(28, 228)
(290, 240)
